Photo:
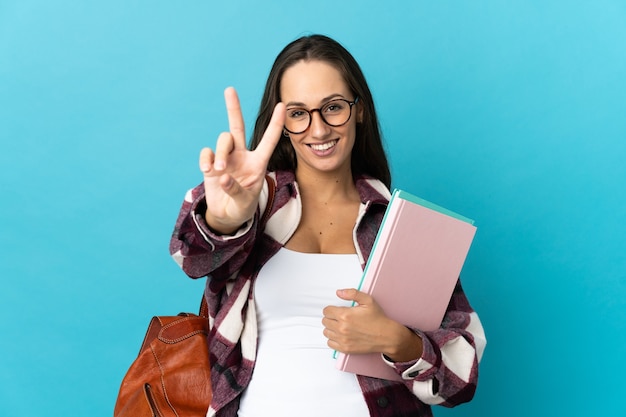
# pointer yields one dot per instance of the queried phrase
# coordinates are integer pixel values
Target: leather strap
(271, 191)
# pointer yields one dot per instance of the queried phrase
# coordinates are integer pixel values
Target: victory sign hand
(233, 175)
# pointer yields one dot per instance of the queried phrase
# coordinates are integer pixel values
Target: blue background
(509, 112)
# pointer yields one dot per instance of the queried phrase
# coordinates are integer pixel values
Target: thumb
(352, 294)
(229, 185)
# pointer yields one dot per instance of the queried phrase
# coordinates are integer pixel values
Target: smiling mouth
(320, 147)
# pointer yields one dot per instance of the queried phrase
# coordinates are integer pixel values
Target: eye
(297, 113)
(334, 107)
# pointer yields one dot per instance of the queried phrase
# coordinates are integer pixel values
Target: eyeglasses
(335, 113)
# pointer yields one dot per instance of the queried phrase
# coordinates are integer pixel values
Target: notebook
(412, 270)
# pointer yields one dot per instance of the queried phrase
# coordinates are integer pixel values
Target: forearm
(200, 251)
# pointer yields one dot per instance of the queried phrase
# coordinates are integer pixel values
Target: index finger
(235, 117)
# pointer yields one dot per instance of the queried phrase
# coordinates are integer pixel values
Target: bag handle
(271, 191)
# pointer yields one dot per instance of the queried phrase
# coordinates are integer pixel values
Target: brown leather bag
(171, 375)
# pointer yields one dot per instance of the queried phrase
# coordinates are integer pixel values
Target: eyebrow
(324, 100)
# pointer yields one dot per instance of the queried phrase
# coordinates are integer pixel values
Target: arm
(200, 251)
(217, 218)
(438, 367)
(447, 371)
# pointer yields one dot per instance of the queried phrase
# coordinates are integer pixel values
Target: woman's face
(323, 148)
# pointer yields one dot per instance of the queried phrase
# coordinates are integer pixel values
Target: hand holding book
(364, 328)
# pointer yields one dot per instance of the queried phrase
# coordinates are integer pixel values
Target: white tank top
(295, 372)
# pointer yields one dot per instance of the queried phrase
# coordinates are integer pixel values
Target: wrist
(405, 345)
(223, 229)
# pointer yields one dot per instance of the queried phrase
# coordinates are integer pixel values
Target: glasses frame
(311, 111)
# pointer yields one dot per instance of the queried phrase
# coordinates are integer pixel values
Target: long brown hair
(368, 154)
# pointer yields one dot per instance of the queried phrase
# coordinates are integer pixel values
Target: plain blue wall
(512, 113)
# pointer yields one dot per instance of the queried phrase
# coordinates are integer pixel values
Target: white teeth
(323, 146)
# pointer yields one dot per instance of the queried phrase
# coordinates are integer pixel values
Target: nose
(318, 127)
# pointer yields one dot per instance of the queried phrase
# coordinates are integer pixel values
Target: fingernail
(205, 167)
(219, 165)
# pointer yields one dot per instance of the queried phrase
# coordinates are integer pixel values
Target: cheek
(351, 132)
(293, 141)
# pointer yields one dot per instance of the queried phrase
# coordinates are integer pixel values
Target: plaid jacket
(447, 372)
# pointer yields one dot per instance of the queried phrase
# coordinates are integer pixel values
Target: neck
(326, 186)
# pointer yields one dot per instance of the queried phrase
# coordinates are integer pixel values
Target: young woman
(282, 266)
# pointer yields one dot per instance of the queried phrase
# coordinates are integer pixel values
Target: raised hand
(233, 175)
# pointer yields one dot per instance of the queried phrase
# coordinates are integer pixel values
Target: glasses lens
(336, 112)
(297, 120)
